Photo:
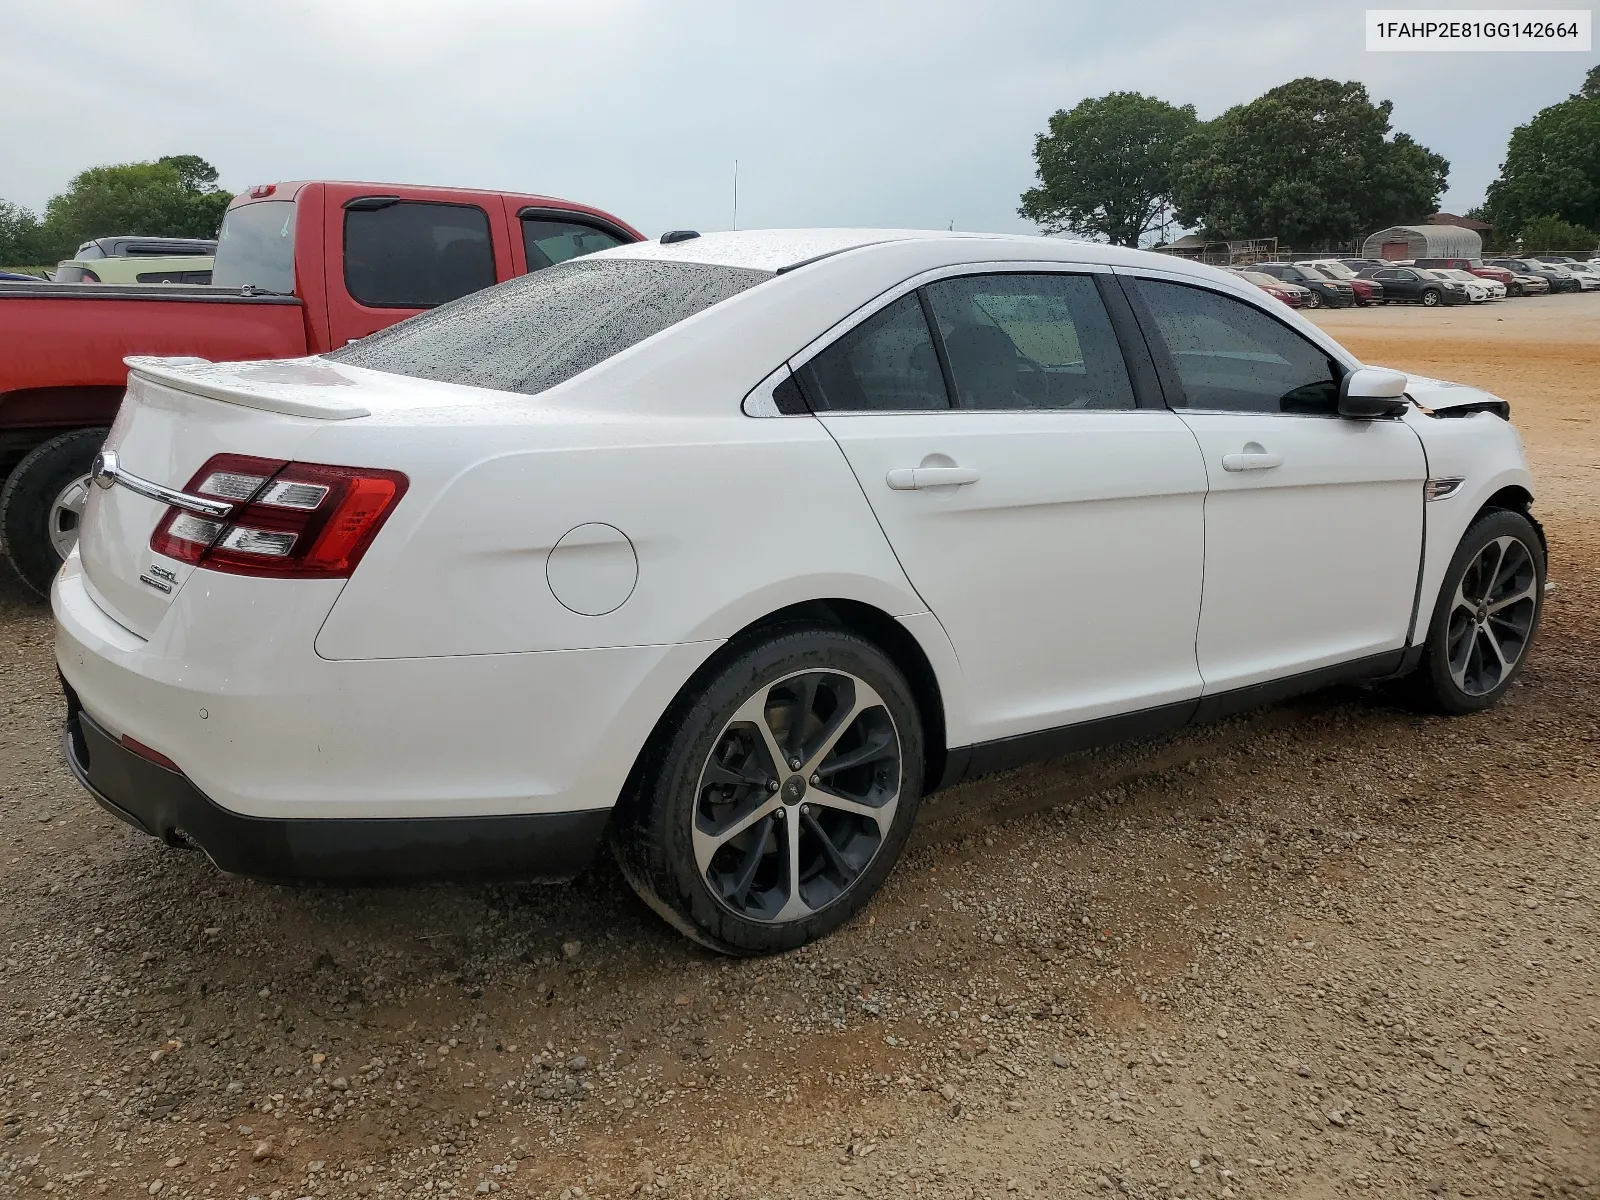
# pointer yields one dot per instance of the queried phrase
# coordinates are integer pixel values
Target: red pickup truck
(301, 268)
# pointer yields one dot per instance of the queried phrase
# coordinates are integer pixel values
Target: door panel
(1066, 573)
(1311, 562)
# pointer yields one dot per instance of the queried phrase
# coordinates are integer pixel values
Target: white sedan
(727, 551)
(1479, 287)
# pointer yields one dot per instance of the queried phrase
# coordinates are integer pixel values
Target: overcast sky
(854, 113)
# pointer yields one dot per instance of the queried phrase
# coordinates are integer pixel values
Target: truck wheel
(42, 503)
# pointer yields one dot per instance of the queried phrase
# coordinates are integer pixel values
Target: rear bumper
(166, 805)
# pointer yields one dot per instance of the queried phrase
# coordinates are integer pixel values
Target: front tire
(1486, 616)
(1313, 300)
(1431, 298)
(736, 845)
(43, 502)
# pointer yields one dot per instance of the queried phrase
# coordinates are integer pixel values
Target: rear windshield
(256, 247)
(542, 329)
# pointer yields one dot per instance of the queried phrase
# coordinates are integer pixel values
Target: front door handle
(1251, 460)
(913, 479)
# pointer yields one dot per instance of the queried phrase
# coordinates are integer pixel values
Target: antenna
(736, 193)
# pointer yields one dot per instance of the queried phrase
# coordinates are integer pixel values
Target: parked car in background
(300, 268)
(1479, 290)
(19, 277)
(1584, 272)
(1419, 286)
(1557, 279)
(1358, 265)
(1291, 294)
(172, 268)
(1530, 285)
(1367, 291)
(1483, 270)
(1325, 292)
(469, 597)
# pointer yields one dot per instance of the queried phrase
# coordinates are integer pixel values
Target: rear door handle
(914, 479)
(1251, 460)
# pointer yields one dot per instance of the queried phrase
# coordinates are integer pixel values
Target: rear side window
(541, 329)
(411, 254)
(549, 241)
(885, 364)
(256, 247)
(1030, 342)
(1232, 357)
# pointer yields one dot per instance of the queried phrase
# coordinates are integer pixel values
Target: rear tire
(1486, 615)
(41, 504)
(749, 855)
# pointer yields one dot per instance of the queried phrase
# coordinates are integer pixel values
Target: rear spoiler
(296, 387)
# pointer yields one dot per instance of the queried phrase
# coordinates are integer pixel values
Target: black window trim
(373, 204)
(1138, 357)
(1167, 369)
(540, 212)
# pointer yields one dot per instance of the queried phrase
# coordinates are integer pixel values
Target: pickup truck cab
(300, 268)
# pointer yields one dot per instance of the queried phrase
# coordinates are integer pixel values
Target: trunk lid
(177, 414)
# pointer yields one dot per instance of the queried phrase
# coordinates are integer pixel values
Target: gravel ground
(1331, 947)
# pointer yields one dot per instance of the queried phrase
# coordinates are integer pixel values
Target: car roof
(782, 250)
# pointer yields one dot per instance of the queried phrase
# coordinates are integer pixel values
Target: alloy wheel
(1492, 615)
(66, 514)
(797, 796)
(1313, 300)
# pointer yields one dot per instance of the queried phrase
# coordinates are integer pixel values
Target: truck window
(416, 254)
(256, 247)
(549, 241)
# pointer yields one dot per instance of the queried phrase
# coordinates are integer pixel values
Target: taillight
(291, 520)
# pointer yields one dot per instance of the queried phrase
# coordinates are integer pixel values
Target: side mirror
(1371, 392)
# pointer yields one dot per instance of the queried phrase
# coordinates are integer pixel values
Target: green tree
(1552, 168)
(1310, 162)
(1546, 235)
(1105, 167)
(1591, 85)
(22, 240)
(175, 196)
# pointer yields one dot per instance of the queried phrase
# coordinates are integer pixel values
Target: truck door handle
(1251, 460)
(914, 479)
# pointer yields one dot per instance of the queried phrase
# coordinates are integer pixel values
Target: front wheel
(43, 503)
(1486, 615)
(1313, 300)
(1431, 298)
(780, 796)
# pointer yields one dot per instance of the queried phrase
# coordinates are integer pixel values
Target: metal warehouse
(1423, 241)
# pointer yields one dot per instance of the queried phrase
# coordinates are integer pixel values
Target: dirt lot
(1329, 948)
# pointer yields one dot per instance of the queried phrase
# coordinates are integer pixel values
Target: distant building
(1424, 241)
(1481, 228)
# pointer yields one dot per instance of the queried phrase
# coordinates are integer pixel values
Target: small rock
(571, 950)
(315, 1165)
(1061, 1060)
(947, 1091)
(340, 1084)
(262, 1150)
(577, 1063)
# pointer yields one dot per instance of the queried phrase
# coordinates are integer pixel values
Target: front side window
(411, 254)
(1029, 342)
(885, 364)
(1232, 357)
(256, 247)
(541, 329)
(548, 240)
